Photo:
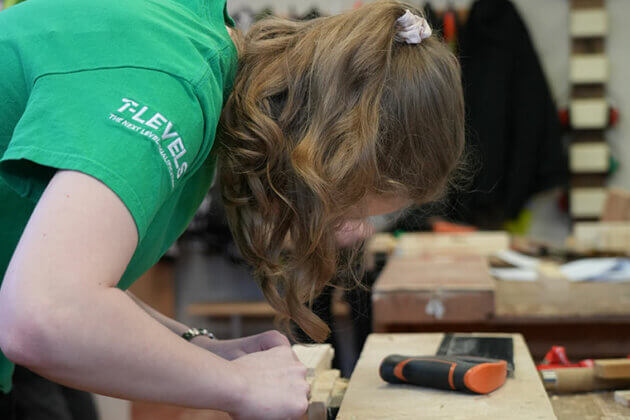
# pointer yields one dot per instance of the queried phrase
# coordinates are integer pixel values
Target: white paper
(514, 274)
(517, 259)
(598, 269)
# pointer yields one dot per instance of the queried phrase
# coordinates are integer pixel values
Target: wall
(548, 22)
(619, 87)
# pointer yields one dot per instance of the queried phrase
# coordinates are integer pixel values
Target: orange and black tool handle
(458, 373)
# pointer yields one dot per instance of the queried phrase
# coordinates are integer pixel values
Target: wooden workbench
(368, 397)
(589, 406)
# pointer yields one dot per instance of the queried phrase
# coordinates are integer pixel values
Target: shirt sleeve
(138, 131)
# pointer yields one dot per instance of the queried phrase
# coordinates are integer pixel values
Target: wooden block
(589, 68)
(368, 397)
(578, 379)
(447, 287)
(612, 368)
(589, 157)
(321, 391)
(335, 399)
(602, 236)
(338, 392)
(589, 22)
(588, 113)
(480, 243)
(617, 206)
(316, 357)
(587, 202)
(623, 398)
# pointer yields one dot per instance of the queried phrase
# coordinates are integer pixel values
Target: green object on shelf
(398, 233)
(520, 225)
(613, 165)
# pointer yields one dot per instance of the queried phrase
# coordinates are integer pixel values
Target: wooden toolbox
(433, 287)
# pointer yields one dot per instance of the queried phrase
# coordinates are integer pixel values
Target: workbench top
(369, 397)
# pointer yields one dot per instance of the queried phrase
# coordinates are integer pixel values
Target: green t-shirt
(127, 91)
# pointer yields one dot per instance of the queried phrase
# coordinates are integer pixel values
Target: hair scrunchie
(413, 28)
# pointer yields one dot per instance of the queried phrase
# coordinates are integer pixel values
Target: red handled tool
(459, 373)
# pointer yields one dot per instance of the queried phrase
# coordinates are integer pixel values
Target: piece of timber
(447, 287)
(336, 396)
(588, 23)
(589, 68)
(587, 202)
(321, 392)
(369, 398)
(554, 299)
(481, 243)
(589, 113)
(316, 357)
(602, 236)
(612, 368)
(589, 157)
(578, 379)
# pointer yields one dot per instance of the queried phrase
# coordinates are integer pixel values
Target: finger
(271, 339)
(303, 407)
(308, 391)
(237, 354)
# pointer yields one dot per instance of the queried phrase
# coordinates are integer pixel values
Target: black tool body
(460, 373)
(491, 347)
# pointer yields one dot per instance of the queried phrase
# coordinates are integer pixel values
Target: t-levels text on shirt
(159, 123)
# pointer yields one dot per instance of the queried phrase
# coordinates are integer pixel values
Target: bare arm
(62, 316)
(227, 349)
(68, 319)
(173, 325)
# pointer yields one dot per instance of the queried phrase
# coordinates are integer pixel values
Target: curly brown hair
(323, 114)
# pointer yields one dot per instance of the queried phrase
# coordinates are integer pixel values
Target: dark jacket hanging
(513, 128)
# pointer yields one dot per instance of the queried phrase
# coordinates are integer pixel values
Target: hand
(233, 349)
(275, 385)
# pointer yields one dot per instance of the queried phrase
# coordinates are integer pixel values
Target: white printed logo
(164, 132)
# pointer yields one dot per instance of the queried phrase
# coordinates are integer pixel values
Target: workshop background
(557, 250)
